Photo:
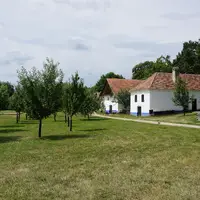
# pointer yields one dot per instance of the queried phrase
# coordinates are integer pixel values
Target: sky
(93, 37)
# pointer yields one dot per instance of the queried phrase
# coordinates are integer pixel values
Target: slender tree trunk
(65, 118)
(26, 116)
(40, 128)
(88, 117)
(17, 117)
(70, 123)
(54, 116)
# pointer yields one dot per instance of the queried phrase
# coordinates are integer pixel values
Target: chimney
(175, 73)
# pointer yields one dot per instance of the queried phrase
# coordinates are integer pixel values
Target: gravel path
(150, 122)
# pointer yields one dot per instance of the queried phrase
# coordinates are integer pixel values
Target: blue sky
(93, 37)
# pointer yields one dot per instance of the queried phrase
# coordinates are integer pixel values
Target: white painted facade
(110, 101)
(161, 100)
(145, 106)
(158, 100)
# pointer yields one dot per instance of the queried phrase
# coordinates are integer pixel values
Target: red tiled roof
(119, 84)
(163, 81)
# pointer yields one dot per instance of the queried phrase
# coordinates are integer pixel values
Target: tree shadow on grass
(60, 121)
(29, 122)
(9, 139)
(11, 126)
(11, 130)
(62, 137)
(95, 119)
(8, 114)
(93, 130)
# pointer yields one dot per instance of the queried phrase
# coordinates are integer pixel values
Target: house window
(142, 97)
(135, 98)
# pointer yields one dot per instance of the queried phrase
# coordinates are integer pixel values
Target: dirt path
(150, 122)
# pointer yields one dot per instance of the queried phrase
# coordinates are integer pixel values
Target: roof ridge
(149, 86)
(124, 79)
(179, 73)
(190, 74)
(117, 78)
(163, 81)
(154, 77)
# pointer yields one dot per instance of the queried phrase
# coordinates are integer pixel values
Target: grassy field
(2, 112)
(189, 118)
(100, 159)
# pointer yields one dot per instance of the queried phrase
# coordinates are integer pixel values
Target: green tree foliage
(142, 70)
(146, 69)
(100, 84)
(53, 78)
(123, 98)
(10, 91)
(10, 87)
(181, 95)
(39, 90)
(91, 103)
(73, 96)
(188, 60)
(17, 102)
(4, 96)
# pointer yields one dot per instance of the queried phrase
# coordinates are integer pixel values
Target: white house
(155, 94)
(111, 88)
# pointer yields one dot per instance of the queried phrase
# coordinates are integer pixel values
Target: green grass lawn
(2, 112)
(100, 159)
(189, 118)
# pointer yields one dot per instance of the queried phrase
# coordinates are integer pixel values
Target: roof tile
(163, 81)
(119, 84)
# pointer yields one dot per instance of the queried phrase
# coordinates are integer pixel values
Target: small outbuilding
(111, 88)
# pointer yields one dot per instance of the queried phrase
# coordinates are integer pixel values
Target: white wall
(158, 100)
(107, 99)
(144, 105)
(161, 100)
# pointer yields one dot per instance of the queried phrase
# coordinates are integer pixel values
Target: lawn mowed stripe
(100, 159)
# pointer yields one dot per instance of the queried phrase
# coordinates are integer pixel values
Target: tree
(123, 98)
(53, 78)
(91, 103)
(39, 94)
(17, 102)
(145, 69)
(188, 60)
(9, 93)
(163, 64)
(10, 87)
(73, 96)
(142, 70)
(100, 84)
(65, 101)
(4, 96)
(181, 95)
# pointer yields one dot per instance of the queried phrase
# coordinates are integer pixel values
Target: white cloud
(15, 57)
(93, 36)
